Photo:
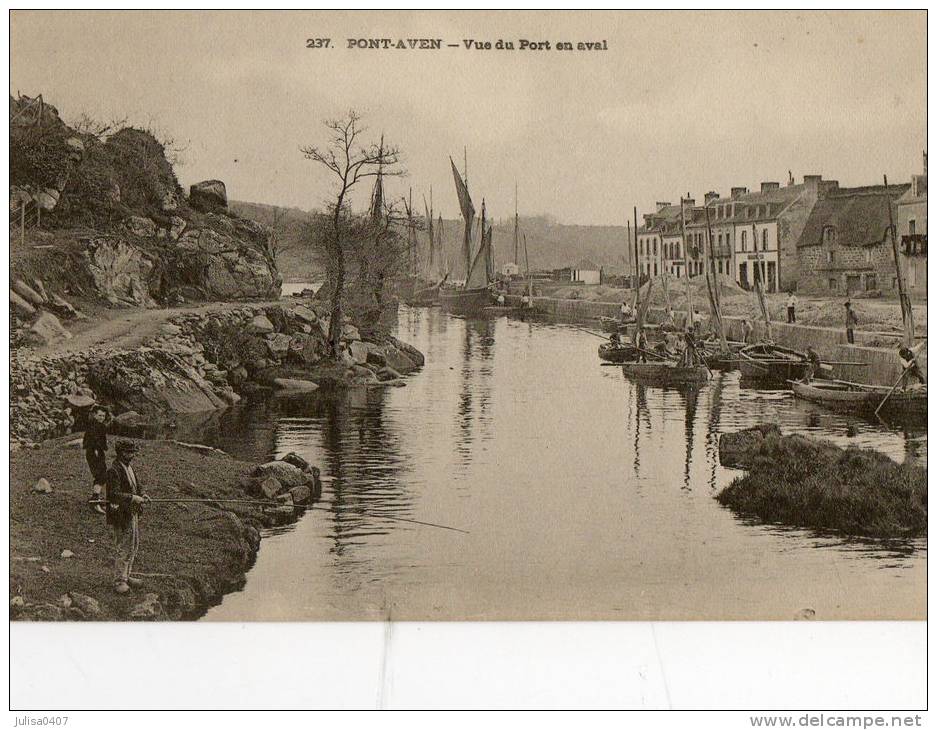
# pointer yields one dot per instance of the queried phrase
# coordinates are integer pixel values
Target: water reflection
(581, 491)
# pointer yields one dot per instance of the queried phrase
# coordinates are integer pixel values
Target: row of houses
(814, 237)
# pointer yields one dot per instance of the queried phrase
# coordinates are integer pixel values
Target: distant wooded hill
(550, 244)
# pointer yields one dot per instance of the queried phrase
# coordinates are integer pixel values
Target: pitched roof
(859, 216)
(585, 265)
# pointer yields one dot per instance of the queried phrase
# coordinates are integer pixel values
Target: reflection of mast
(712, 427)
(691, 395)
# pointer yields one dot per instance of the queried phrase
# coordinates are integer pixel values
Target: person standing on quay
(746, 331)
(851, 322)
(791, 308)
(123, 512)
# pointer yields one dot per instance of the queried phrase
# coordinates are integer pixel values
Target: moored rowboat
(843, 395)
(766, 361)
(666, 373)
(617, 353)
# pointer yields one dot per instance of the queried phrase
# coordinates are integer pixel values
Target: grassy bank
(805, 482)
(190, 554)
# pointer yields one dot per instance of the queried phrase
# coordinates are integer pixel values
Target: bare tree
(349, 162)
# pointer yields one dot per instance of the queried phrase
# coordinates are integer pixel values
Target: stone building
(911, 222)
(844, 249)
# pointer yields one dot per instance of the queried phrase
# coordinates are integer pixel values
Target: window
(641, 247)
(911, 226)
(720, 266)
(655, 247)
(655, 268)
(764, 239)
(834, 284)
(744, 241)
(829, 257)
(719, 240)
(870, 282)
(677, 249)
(868, 255)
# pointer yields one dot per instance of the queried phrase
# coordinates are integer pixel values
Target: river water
(584, 495)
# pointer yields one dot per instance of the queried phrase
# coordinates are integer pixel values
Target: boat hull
(665, 373)
(860, 398)
(465, 302)
(619, 354)
(770, 363)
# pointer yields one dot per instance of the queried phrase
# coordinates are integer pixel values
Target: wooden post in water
(907, 314)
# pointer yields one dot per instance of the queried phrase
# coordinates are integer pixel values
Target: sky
(679, 102)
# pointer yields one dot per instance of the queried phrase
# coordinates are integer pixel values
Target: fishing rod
(588, 332)
(272, 503)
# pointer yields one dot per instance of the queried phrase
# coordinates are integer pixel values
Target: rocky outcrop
(122, 273)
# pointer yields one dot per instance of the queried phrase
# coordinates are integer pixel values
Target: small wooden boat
(843, 395)
(666, 373)
(623, 352)
(717, 359)
(768, 362)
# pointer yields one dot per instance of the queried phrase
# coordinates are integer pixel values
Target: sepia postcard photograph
(467, 316)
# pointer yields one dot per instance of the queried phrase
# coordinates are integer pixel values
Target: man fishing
(124, 502)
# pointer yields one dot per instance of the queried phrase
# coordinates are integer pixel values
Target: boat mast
(907, 314)
(686, 264)
(759, 287)
(713, 286)
(515, 222)
(637, 266)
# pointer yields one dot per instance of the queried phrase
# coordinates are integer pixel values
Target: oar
(888, 394)
(588, 332)
(271, 503)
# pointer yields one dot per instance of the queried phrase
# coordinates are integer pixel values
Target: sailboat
(471, 298)
(431, 265)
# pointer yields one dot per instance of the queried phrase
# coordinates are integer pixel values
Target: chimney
(827, 186)
(661, 205)
(738, 192)
(689, 202)
(711, 196)
(767, 187)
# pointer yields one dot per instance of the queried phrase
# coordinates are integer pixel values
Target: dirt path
(121, 329)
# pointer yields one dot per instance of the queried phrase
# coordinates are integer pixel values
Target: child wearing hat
(124, 500)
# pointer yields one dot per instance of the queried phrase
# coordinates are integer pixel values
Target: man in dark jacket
(95, 445)
(124, 500)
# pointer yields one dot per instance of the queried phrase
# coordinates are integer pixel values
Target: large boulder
(47, 329)
(278, 344)
(260, 325)
(141, 226)
(305, 314)
(359, 351)
(286, 474)
(27, 292)
(120, 272)
(208, 195)
(295, 385)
